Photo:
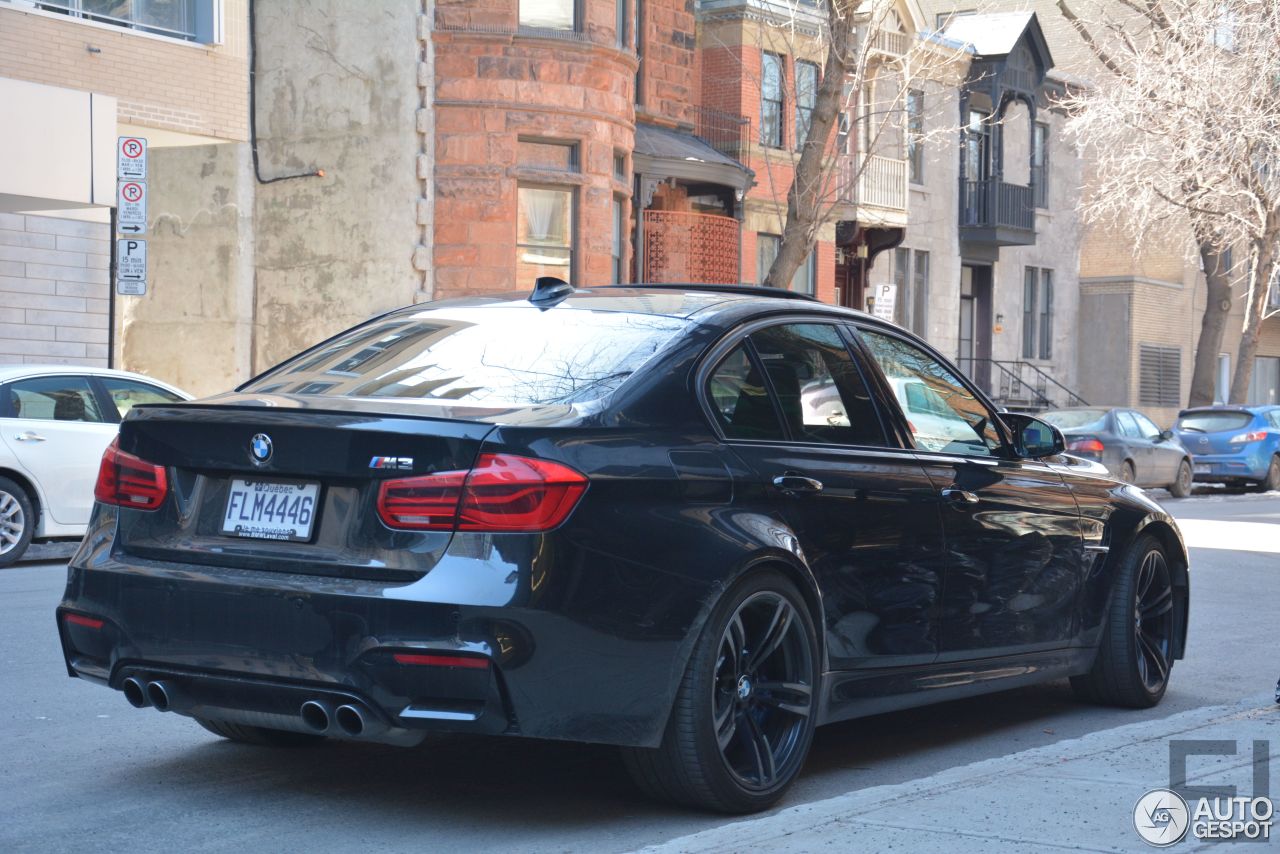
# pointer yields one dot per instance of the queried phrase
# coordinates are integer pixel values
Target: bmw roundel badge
(260, 448)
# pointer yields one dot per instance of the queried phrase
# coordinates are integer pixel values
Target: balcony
(998, 214)
(890, 43)
(727, 133)
(691, 248)
(877, 190)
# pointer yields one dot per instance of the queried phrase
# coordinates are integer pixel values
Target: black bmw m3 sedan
(695, 522)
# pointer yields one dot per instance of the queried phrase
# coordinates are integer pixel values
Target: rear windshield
(495, 356)
(1069, 419)
(1214, 422)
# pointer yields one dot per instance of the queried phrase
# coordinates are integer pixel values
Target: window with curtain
(619, 232)
(771, 78)
(805, 278)
(1030, 284)
(767, 246)
(549, 14)
(1046, 314)
(544, 234)
(915, 136)
(806, 97)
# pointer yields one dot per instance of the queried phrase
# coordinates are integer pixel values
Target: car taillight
(1090, 446)
(130, 481)
(503, 493)
(1254, 436)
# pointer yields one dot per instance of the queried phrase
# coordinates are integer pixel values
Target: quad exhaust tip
(136, 693)
(350, 720)
(315, 715)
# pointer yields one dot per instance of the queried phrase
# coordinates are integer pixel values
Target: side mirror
(1165, 436)
(1033, 438)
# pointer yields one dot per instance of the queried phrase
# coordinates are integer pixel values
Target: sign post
(131, 217)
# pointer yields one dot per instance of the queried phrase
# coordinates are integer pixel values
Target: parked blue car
(1233, 444)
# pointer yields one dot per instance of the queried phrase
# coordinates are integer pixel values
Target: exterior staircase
(1023, 387)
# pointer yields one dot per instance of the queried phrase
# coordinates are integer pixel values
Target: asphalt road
(81, 769)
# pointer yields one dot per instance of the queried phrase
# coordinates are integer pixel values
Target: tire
(260, 736)
(1181, 487)
(1272, 481)
(1127, 474)
(722, 694)
(1130, 672)
(17, 522)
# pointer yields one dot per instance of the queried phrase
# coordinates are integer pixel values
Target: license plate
(1204, 469)
(269, 510)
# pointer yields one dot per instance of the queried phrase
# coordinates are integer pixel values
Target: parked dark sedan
(1129, 444)
(689, 521)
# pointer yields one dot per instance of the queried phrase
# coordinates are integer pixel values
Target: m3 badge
(396, 463)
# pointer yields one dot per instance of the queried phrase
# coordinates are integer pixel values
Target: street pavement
(1030, 769)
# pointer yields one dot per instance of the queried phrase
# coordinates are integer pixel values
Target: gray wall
(1105, 323)
(53, 290)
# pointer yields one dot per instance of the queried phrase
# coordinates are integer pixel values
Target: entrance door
(968, 321)
(974, 351)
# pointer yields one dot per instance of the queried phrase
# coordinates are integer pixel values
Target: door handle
(795, 484)
(29, 437)
(959, 496)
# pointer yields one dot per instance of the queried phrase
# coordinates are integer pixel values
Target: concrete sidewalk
(1077, 794)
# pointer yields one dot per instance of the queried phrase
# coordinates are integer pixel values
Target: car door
(55, 429)
(1011, 526)
(1141, 449)
(1166, 452)
(792, 403)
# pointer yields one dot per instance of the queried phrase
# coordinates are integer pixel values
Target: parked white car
(55, 422)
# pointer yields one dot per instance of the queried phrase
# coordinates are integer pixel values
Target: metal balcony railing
(992, 203)
(727, 133)
(880, 182)
(890, 42)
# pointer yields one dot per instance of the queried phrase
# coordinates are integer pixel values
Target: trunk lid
(1210, 431)
(336, 458)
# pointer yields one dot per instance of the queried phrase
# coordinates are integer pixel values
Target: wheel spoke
(1145, 576)
(726, 725)
(761, 751)
(793, 697)
(773, 637)
(1157, 606)
(1154, 658)
(735, 637)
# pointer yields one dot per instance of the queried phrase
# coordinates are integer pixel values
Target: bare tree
(864, 50)
(1184, 132)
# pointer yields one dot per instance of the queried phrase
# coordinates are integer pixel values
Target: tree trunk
(1259, 285)
(1212, 326)
(805, 198)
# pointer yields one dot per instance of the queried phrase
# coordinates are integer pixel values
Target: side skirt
(859, 693)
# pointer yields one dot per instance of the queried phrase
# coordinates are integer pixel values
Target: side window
(1146, 427)
(125, 394)
(942, 414)
(1128, 424)
(53, 399)
(740, 399)
(819, 389)
(1275, 418)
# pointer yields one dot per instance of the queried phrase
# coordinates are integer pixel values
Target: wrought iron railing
(874, 181)
(727, 133)
(691, 248)
(1016, 383)
(993, 203)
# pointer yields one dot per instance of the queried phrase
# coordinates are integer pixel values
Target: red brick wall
(669, 77)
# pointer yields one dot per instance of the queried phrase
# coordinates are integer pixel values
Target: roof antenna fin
(549, 288)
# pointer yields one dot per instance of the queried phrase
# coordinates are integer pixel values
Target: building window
(544, 234)
(806, 96)
(767, 246)
(1159, 375)
(189, 20)
(1222, 388)
(805, 280)
(1040, 165)
(1029, 288)
(620, 166)
(1046, 314)
(920, 295)
(620, 25)
(549, 14)
(638, 29)
(619, 231)
(901, 281)
(915, 136)
(771, 100)
(1264, 385)
(548, 154)
(845, 119)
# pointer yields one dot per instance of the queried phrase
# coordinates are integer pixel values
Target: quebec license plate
(270, 510)
(1204, 469)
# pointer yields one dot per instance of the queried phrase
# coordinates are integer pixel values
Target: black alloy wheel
(1135, 655)
(745, 713)
(1181, 487)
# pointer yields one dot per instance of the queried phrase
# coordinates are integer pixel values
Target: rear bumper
(1220, 468)
(251, 646)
